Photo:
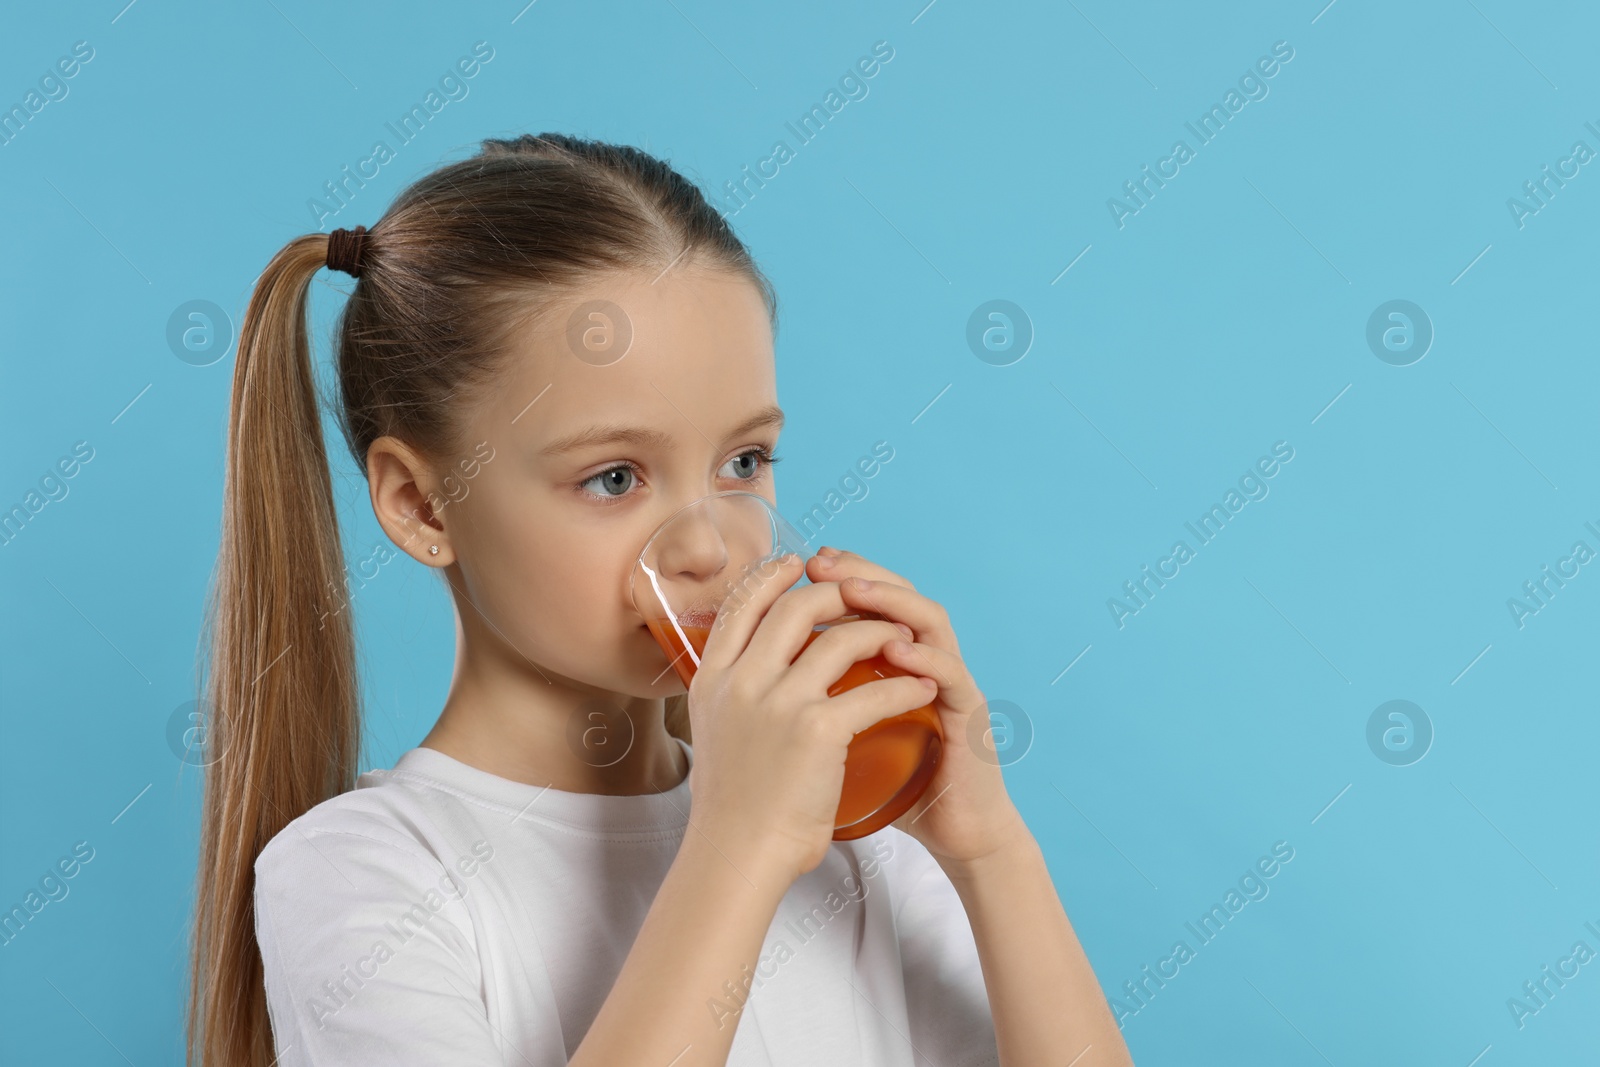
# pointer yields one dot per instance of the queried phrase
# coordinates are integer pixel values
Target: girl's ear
(404, 499)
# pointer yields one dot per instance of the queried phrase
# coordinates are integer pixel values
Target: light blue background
(1223, 317)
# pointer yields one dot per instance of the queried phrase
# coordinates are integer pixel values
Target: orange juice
(887, 766)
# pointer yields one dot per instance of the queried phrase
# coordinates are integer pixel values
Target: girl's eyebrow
(605, 435)
(613, 434)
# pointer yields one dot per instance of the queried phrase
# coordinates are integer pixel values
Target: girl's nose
(692, 549)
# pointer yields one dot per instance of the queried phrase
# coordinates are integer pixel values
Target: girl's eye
(753, 460)
(614, 483)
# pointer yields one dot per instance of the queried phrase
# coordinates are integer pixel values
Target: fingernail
(905, 629)
(899, 646)
(827, 550)
(861, 584)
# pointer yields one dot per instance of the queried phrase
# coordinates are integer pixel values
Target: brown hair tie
(345, 248)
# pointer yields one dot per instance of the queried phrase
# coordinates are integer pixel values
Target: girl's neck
(539, 745)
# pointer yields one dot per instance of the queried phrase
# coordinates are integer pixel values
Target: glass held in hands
(720, 549)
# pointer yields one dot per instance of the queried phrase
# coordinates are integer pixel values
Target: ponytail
(281, 676)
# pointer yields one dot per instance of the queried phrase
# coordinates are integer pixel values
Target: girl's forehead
(674, 322)
(678, 358)
(565, 421)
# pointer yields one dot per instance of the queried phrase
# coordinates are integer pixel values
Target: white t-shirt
(439, 914)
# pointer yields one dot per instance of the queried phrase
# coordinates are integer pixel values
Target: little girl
(552, 346)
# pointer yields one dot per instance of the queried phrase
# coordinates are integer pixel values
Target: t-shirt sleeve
(369, 955)
(947, 1004)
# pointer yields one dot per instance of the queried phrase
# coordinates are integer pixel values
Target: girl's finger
(739, 615)
(844, 565)
(866, 704)
(956, 686)
(837, 648)
(779, 637)
(896, 603)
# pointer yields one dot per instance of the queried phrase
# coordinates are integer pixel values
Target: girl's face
(589, 453)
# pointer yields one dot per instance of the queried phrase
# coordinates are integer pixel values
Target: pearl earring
(433, 550)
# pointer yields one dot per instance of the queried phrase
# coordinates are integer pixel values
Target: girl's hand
(965, 813)
(769, 743)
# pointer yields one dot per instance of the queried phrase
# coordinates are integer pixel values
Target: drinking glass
(722, 547)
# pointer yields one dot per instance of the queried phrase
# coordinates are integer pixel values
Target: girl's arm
(769, 753)
(1044, 1000)
(1046, 1003)
(705, 927)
